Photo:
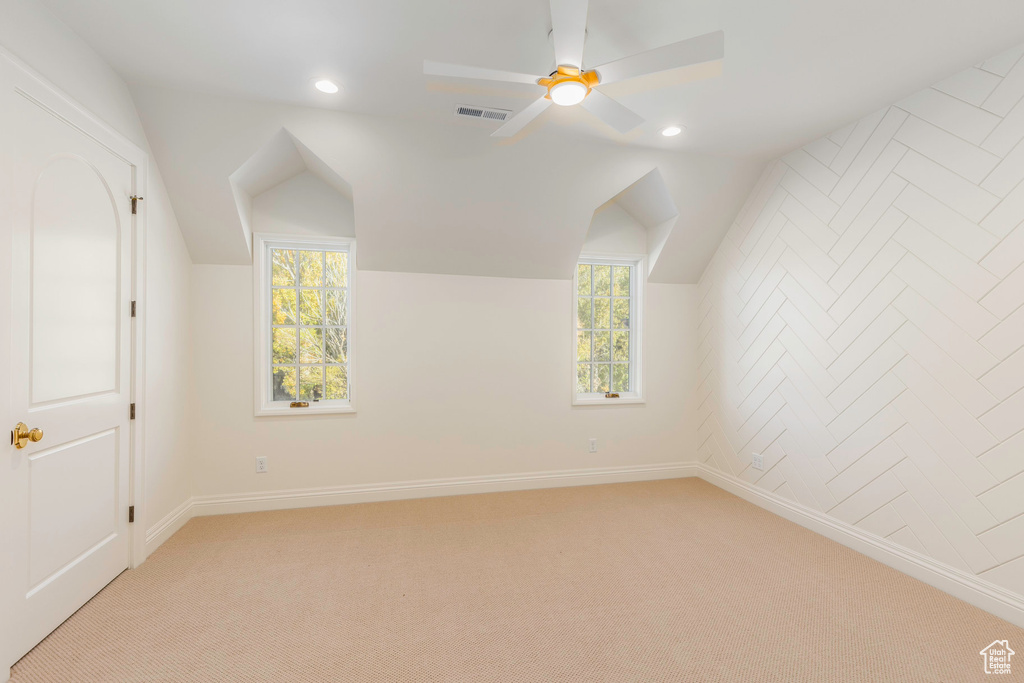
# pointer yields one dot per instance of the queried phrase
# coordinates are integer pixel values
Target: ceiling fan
(571, 84)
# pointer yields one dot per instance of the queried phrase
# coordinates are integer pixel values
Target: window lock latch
(299, 404)
(611, 395)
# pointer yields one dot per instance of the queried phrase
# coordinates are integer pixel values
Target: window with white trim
(608, 293)
(306, 290)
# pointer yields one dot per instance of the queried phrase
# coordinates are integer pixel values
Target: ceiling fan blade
(709, 47)
(611, 112)
(519, 121)
(460, 71)
(568, 31)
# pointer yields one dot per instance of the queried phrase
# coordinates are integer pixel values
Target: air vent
(482, 113)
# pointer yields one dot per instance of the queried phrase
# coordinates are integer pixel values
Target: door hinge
(131, 412)
(131, 514)
(133, 309)
(135, 204)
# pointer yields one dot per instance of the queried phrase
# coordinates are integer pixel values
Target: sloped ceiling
(216, 79)
(280, 159)
(430, 197)
(649, 202)
(640, 220)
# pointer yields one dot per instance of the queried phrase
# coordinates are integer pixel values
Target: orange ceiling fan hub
(569, 85)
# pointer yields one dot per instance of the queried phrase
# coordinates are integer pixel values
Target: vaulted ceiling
(215, 80)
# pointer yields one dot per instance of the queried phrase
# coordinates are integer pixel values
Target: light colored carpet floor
(657, 581)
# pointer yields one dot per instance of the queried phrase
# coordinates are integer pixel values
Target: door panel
(75, 235)
(74, 504)
(69, 232)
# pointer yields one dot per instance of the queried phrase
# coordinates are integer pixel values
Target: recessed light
(326, 86)
(671, 131)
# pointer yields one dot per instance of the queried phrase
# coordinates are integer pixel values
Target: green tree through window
(309, 324)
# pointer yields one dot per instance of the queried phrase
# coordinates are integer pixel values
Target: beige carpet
(660, 581)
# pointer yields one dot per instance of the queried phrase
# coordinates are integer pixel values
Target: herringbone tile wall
(862, 326)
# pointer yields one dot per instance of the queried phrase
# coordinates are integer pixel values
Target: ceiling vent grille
(471, 112)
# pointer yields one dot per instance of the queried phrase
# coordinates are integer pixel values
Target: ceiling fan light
(568, 93)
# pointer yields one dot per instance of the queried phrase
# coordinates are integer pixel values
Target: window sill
(602, 401)
(275, 411)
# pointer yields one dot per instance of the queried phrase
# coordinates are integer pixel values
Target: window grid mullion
(298, 329)
(323, 319)
(593, 321)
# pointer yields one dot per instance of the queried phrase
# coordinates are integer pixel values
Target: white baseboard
(960, 584)
(429, 488)
(165, 528)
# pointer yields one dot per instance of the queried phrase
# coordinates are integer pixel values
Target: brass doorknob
(21, 435)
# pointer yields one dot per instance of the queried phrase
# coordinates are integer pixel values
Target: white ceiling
(794, 70)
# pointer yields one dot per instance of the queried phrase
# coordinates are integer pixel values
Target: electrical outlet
(261, 464)
(757, 461)
(593, 445)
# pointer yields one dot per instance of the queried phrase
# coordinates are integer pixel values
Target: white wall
(168, 360)
(303, 205)
(613, 231)
(35, 37)
(862, 326)
(457, 376)
(31, 33)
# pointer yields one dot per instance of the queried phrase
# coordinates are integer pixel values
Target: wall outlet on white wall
(261, 464)
(592, 445)
(757, 461)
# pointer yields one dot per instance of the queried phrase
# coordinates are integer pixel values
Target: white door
(69, 233)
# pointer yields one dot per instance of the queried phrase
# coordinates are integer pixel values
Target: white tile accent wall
(862, 326)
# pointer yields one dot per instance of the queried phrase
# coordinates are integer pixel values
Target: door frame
(56, 102)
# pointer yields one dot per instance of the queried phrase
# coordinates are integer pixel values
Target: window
(608, 294)
(305, 291)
